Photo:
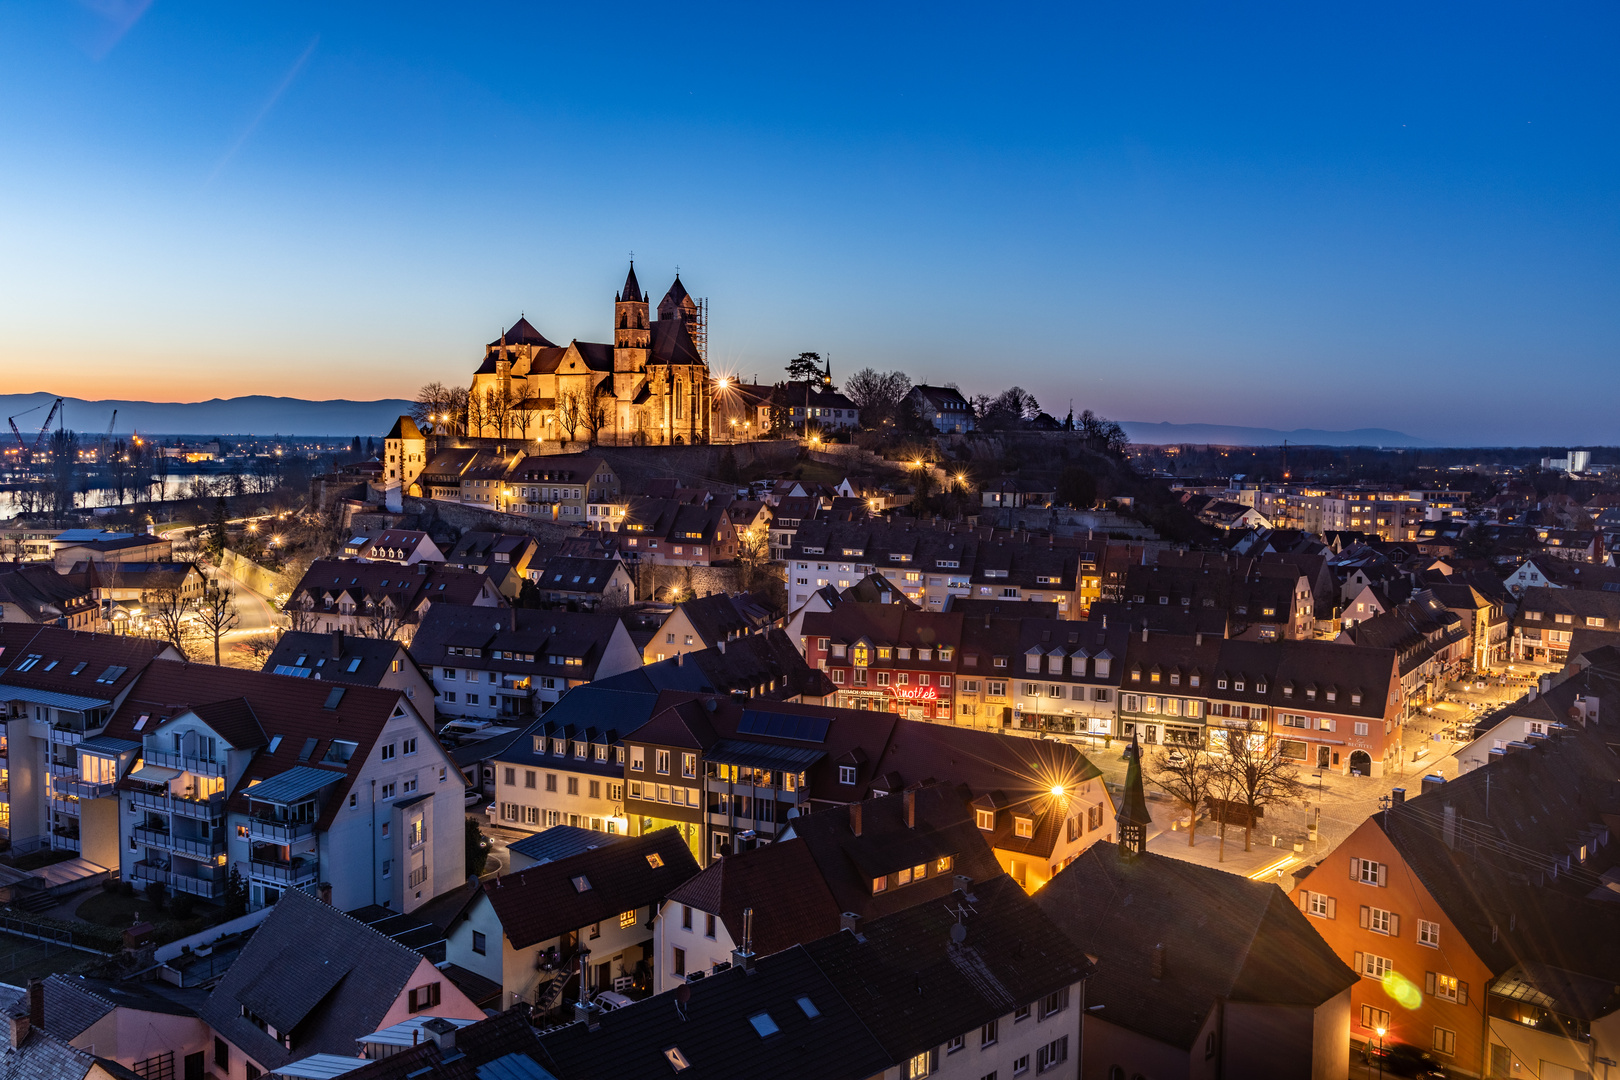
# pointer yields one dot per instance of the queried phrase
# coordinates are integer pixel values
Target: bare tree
(432, 403)
(1255, 774)
(217, 613)
(382, 619)
(300, 614)
(169, 617)
(571, 408)
(477, 414)
(877, 394)
(455, 407)
(498, 409)
(524, 414)
(596, 412)
(1188, 774)
(261, 645)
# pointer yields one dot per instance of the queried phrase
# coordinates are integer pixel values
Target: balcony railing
(195, 848)
(66, 736)
(64, 843)
(209, 809)
(280, 832)
(210, 888)
(173, 759)
(86, 789)
(59, 768)
(143, 871)
(297, 873)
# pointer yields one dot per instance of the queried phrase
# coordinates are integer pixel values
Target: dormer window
(1238, 686)
(1193, 679)
(1355, 698)
(1310, 695)
(1136, 674)
(1220, 684)
(1175, 678)
(1333, 695)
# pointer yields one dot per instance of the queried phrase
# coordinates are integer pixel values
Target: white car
(608, 1000)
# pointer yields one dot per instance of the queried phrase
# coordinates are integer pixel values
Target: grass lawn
(22, 959)
(118, 911)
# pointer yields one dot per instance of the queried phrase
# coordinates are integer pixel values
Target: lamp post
(1381, 1032)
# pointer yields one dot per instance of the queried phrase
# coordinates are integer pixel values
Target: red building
(887, 657)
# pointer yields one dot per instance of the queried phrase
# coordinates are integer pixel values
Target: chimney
(1156, 963)
(326, 893)
(1432, 782)
(1144, 632)
(855, 817)
(440, 1031)
(744, 957)
(910, 799)
(849, 921)
(1546, 683)
(1198, 638)
(36, 1004)
(1448, 826)
(19, 1030)
(1397, 796)
(678, 657)
(722, 647)
(964, 885)
(337, 644)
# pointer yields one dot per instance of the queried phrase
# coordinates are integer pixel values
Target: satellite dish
(683, 993)
(958, 933)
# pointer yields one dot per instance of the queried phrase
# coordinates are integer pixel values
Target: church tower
(1133, 819)
(632, 338)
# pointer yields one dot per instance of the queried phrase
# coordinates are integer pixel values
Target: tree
(497, 409)
(64, 471)
(300, 613)
(118, 467)
(217, 539)
(432, 402)
(382, 619)
(1256, 774)
(169, 615)
(877, 394)
(455, 407)
(571, 409)
(1076, 487)
(524, 414)
(1102, 436)
(236, 891)
(806, 367)
(1188, 774)
(753, 555)
(596, 406)
(217, 612)
(1008, 410)
(477, 848)
(727, 472)
(476, 413)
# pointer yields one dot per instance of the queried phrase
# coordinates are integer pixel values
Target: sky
(1277, 215)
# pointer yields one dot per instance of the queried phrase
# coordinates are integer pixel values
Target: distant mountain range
(1225, 435)
(263, 415)
(239, 416)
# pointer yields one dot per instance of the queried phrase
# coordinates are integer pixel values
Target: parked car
(1401, 1059)
(609, 1000)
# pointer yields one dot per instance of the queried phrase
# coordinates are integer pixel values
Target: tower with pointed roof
(1133, 818)
(632, 338)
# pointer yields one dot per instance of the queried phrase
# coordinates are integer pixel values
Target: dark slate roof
(43, 594)
(848, 863)
(780, 882)
(73, 1002)
(563, 574)
(918, 987)
(115, 659)
(1224, 936)
(713, 1033)
(766, 665)
(295, 974)
(514, 632)
(592, 713)
(631, 293)
(672, 343)
(561, 841)
(522, 332)
(404, 428)
(543, 902)
(332, 657)
(503, 1047)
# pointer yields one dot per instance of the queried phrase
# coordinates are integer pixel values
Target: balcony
(85, 789)
(298, 872)
(207, 888)
(66, 736)
(58, 768)
(64, 842)
(174, 759)
(279, 832)
(144, 871)
(183, 845)
(209, 809)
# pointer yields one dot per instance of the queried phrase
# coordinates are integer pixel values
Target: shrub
(183, 905)
(126, 888)
(157, 892)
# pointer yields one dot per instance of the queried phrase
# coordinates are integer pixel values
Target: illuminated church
(650, 387)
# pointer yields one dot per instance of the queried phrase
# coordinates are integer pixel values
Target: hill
(1227, 435)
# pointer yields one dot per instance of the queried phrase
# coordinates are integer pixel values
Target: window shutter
(1355, 869)
(1428, 983)
(1462, 992)
(1365, 917)
(1394, 925)
(1358, 964)
(1333, 908)
(1304, 901)
(414, 1007)
(933, 1060)
(1383, 871)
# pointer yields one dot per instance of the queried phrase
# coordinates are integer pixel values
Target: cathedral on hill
(650, 387)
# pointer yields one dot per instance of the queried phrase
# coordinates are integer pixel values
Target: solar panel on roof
(783, 726)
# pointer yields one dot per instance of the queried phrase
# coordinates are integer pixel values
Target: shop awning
(154, 774)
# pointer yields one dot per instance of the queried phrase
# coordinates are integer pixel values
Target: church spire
(1133, 818)
(631, 293)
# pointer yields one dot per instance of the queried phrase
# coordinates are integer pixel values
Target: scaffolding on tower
(700, 328)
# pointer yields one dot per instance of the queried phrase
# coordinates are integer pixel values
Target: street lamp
(1381, 1032)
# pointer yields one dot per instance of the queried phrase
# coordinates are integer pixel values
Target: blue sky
(1401, 216)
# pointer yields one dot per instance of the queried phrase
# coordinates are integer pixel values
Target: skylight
(77, 668)
(274, 742)
(677, 1060)
(809, 1008)
(582, 884)
(764, 1024)
(655, 860)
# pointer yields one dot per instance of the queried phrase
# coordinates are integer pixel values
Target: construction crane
(46, 426)
(15, 430)
(106, 440)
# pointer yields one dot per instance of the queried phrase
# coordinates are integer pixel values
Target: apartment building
(343, 658)
(1056, 675)
(705, 622)
(672, 532)
(926, 563)
(58, 689)
(1548, 618)
(381, 599)
(887, 657)
(504, 558)
(291, 782)
(514, 663)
